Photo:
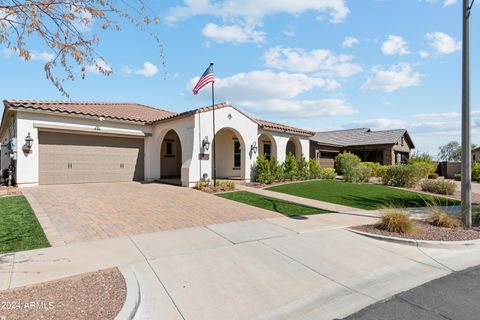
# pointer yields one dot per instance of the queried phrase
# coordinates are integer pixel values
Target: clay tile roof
(112, 110)
(264, 124)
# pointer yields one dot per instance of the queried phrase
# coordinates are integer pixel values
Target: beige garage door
(77, 158)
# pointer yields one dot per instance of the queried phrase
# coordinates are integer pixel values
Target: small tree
(346, 160)
(314, 169)
(275, 169)
(352, 168)
(262, 170)
(424, 164)
(290, 167)
(451, 151)
(302, 167)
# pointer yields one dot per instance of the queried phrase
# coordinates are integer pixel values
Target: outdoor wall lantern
(254, 147)
(28, 143)
(205, 143)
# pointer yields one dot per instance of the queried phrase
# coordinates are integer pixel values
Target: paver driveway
(83, 212)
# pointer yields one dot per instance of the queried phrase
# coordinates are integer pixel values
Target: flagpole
(214, 140)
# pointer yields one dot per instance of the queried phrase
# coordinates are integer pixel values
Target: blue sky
(316, 64)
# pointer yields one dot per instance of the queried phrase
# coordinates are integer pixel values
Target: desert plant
(302, 168)
(225, 185)
(376, 169)
(346, 160)
(290, 169)
(433, 176)
(327, 173)
(262, 170)
(423, 163)
(438, 186)
(441, 218)
(401, 175)
(476, 216)
(314, 169)
(357, 173)
(395, 220)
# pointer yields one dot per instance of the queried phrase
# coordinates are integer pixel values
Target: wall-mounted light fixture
(205, 143)
(28, 143)
(254, 147)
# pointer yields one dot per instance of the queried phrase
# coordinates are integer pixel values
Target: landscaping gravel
(95, 295)
(426, 231)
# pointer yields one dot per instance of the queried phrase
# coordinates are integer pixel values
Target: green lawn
(19, 228)
(363, 196)
(286, 208)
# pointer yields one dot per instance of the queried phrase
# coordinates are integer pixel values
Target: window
(169, 146)
(237, 158)
(267, 147)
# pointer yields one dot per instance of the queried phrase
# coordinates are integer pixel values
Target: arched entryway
(229, 154)
(171, 156)
(294, 147)
(267, 146)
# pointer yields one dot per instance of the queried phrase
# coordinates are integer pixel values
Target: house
(476, 154)
(385, 147)
(55, 142)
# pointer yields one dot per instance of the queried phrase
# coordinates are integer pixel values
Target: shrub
(290, 169)
(424, 164)
(395, 221)
(346, 160)
(327, 173)
(302, 168)
(357, 174)
(401, 175)
(438, 186)
(476, 216)
(476, 171)
(225, 186)
(441, 218)
(377, 170)
(202, 184)
(275, 169)
(433, 176)
(314, 169)
(262, 170)
(457, 177)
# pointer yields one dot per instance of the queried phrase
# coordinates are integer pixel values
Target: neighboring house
(54, 142)
(385, 147)
(476, 155)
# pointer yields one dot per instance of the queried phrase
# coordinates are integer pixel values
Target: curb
(132, 301)
(421, 243)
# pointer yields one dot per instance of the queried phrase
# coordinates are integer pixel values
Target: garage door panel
(76, 158)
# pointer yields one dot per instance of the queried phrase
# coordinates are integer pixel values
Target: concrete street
(454, 296)
(276, 268)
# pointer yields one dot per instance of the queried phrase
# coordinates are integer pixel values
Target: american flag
(206, 78)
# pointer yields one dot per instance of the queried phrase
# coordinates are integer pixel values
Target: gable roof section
(361, 137)
(112, 110)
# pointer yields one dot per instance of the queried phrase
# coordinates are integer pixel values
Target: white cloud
(447, 3)
(277, 93)
(289, 31)
(424, 54)
(443, 43)
(148, 70)
(396, 77)
(395, 45)
(320, 61)
(253, 11)
(42, 56)
(300, 108)
(232, 33)
(7, 53)
(349, 42)
(98, 66)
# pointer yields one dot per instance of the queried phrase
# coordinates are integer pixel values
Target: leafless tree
(62, 26)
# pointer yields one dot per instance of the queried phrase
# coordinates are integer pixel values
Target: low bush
(225, 186)
(314, 169)
(424, 164)
(346, 160)
(377, 170)
(327, 173)
(441, 218)
(303, 168)
(476, 171)
(401, 175)
(357, 174)
(433, 176)
(396, 221)
(275, 169)
(438, 186)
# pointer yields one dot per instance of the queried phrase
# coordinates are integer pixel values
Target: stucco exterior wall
(27, 163)
(281, 140)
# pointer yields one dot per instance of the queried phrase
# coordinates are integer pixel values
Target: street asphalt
(455, 296)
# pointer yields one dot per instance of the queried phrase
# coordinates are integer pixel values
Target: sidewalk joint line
(423, 308)
(158, 278)
(426, 254)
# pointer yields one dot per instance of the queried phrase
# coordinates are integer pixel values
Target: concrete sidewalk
(276, 268)
(310, 202)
